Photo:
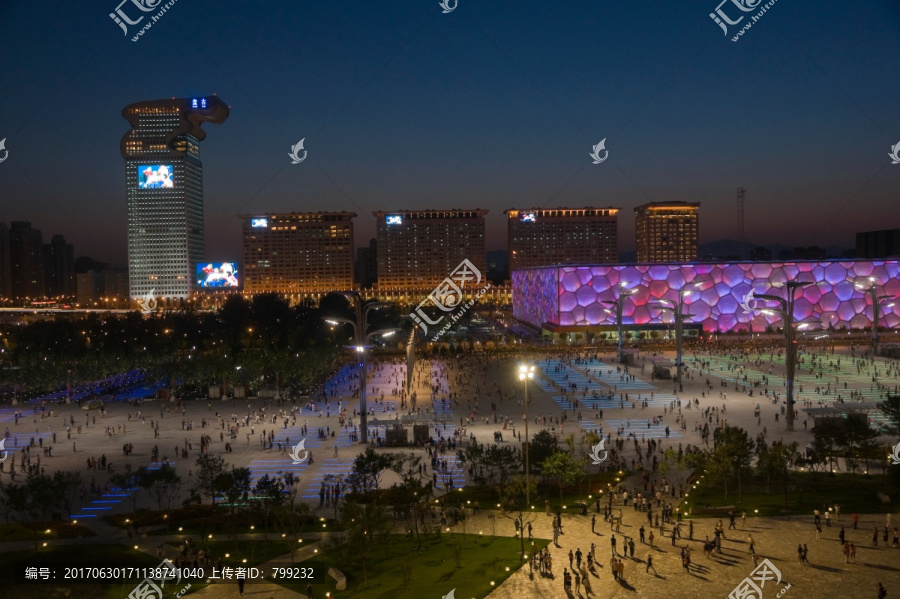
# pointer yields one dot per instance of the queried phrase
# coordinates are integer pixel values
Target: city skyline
(402, 107)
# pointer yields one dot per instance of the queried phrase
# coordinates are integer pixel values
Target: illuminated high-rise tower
(164, 187)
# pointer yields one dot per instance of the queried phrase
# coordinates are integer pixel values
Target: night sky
(494, 105)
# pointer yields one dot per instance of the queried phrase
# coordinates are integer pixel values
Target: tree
(890, 407)
(292, 514)
(269, 492)
(473, 457)
(209, 469)
(774, 463)
(502, 461)
(860, 441)
(543, 445)
(68, 488)
(367, 524)
(412, 494)
(129, 482)
(513, 499)
(564, 468)
(162, 484)
(735, 444)
(367, 469)
(680, 468)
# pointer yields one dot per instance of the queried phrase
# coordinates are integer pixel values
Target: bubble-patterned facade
(574, 295)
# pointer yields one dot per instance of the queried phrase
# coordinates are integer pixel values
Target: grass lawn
(201, 520)
(591, 487)
(254, 552)
(853, 492)
(434, 569)
(13, 564)
(58, 530)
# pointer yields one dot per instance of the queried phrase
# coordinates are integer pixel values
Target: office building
(418, 249)
(26, 258)
(298, 253)
(878, 244)
(164, 189)
(544, 237)
(59, 268)
(667, 231)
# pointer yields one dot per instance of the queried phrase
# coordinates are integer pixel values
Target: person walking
(846, 550)
(613, 569)
(620, 566)
(650, 563)
(571, 557)
(309, 593)
(750, 542)
(853, 552)
(805, 551)
(612, 542)
(855, 519)
(800, 553)
(577, 583)
(841, 535)
(578, 556)
(875, 536)
(651, 539)
(641, 532)
(882, 592)
(631, 547)
(819, 531)
(593, 523)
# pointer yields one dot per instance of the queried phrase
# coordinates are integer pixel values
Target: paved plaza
(476, 397)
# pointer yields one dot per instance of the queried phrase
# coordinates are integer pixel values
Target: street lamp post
(619, 305)
(526, 373)
(677, 310)
(361, 339)
(872, 290)
(787, 314)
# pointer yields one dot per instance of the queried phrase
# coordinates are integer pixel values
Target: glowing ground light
(45, 544)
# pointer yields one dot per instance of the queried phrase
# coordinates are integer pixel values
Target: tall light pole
(526, 373)
(361, 339)
(619, 305)
(677, 310)
(786, 311)
(872, 290)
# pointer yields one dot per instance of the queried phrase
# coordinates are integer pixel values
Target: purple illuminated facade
(573, 296)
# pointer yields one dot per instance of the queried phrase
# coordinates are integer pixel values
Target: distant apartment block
(878, 244)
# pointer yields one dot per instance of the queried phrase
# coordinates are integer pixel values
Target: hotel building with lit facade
(542, 236)
(418, 249)
(667, 231)
(298, 254)
(164, 191)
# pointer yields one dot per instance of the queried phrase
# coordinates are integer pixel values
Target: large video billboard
(155, 176)
(214, 275)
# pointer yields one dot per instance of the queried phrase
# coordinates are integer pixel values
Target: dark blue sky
(494, 105)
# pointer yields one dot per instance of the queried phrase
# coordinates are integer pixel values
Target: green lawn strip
(591, 487)
(806, 492)
(58, 530)
(60, 557)
(202, 520)
(434, 571)
(255, 552)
